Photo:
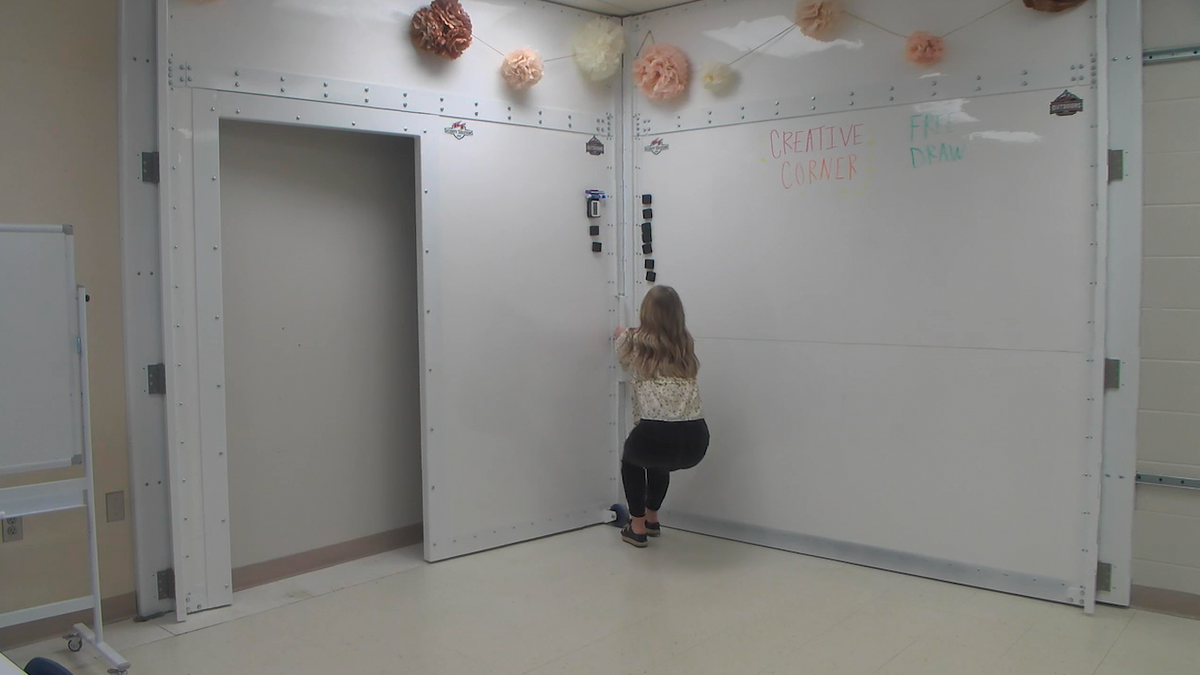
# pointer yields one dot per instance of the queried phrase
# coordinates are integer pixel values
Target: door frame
(1121, 58)
(194, 350)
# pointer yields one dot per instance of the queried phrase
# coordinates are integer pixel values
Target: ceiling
(621, 7)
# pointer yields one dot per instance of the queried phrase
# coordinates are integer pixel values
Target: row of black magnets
(648, 237)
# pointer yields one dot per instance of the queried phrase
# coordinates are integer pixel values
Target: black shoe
(653, 529)
(633, 538)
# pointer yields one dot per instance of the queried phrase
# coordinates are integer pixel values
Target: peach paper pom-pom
(522, 68)
(818, 19)
(442, 28)
(925, 49)
(661, 72)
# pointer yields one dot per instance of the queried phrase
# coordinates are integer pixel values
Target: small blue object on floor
(40, 666)
(622, 514)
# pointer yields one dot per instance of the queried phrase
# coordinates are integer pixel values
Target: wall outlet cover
(14, 529)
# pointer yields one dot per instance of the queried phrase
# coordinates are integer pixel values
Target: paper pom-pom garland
(442, 28)
(661, 72)
(718, 78)
(1053, 5)
(522, 68)
(925, 49)
(818, 19)
(598, 47)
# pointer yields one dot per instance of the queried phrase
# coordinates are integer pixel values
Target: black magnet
(594, 230)
(647, 200)
(649, 264)
(597, 247)
(647, 213)
(651, 276)
(647, 249)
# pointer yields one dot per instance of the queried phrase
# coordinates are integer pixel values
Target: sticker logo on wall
(1066, 104)
(595, 147)
(657, 146)
(459, 130)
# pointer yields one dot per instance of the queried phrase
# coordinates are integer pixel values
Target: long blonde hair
(661, 346)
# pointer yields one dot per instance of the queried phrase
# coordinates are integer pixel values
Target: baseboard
(116, 608)
(976, 576)
(1163, 601)
(262, 573)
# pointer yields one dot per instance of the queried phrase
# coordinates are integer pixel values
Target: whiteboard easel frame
(64, 496)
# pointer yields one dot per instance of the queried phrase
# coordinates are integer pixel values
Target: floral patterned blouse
(663, 399)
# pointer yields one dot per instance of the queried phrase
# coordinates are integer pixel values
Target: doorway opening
(322, 358)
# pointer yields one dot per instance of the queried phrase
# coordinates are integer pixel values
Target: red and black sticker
(459, 130)
(595, 147)
(1066, 104)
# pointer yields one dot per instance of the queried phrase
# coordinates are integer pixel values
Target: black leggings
(652, 451)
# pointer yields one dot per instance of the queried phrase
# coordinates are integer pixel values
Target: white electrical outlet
(14, 530)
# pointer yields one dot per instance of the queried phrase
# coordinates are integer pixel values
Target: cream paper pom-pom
(718, 78)
(598, 46)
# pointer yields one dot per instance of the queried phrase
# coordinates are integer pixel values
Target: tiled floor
(584, 604)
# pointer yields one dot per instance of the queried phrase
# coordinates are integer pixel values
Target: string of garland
(444, 29)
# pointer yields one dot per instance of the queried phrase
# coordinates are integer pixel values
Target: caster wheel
(75, 644)
(622, 515)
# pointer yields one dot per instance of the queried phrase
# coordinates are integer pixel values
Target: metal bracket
(1112, 374)
(1116, 165)
(1168, 481)
(150, 167)
(166, 584)
(156, 379)
(1173, 54)
(1104, 577)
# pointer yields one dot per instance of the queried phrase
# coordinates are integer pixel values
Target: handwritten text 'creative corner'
(825, 154)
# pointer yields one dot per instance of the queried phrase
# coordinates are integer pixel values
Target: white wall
(504, 241)
(58, 164)
(897, 366)
(1167, 521)
(321, 355)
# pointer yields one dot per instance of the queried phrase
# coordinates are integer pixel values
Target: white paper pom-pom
(718, 78)
(598, 47)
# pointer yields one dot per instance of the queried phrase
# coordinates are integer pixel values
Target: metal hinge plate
(1116, 165)
(150, 167)
(166, 585)
(1112, 374)
(156, 379)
